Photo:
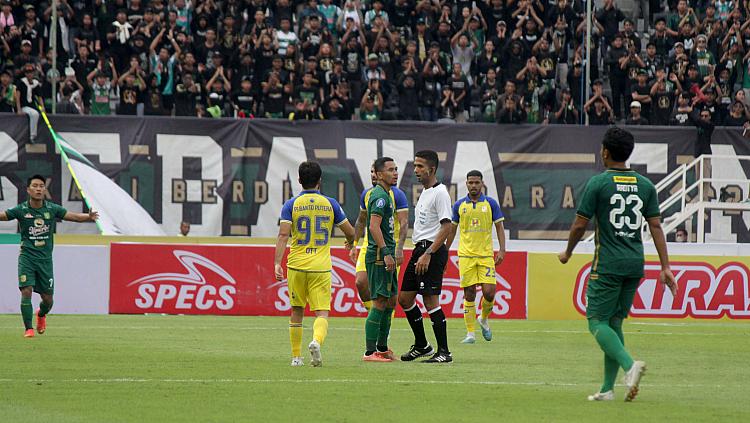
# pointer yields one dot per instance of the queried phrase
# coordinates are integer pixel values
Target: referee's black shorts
(431, 282)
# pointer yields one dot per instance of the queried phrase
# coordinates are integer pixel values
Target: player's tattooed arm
(91, 216)
(359, 230)
(403, 227)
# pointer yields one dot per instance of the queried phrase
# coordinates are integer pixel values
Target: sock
(320, 329)
(470, 315)
(295, 337)
(414, 316)
(611, 367)
(440, 328)
(44, 308)
(486, 308)
(610, 343)
(385, 329)
(372, 328)
(27, 312)
(367, 304)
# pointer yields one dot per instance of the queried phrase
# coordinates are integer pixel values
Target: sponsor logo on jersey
(380, 203)
(190, 290)
(22, 278)
(703, 292)
(28, 216)
(625, 179)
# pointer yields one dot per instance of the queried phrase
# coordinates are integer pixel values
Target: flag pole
(67, 162)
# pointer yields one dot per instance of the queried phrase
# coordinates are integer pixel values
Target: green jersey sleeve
(14, 213)
(587, 207)
(58, 211)
(378, 204)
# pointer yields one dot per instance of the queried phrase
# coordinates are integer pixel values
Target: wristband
(386, 251)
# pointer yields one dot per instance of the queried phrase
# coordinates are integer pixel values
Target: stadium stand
(506, 61)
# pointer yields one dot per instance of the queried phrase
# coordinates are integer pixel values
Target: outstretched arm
(91, 216)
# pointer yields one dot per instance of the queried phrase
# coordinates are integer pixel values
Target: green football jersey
(37, 227)
(380, 203)
(619, 200)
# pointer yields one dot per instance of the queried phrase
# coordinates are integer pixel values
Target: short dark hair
(474, 173)
(619, 143)
(36, 176)
(379, 164)
(429, 156)
(309, 174)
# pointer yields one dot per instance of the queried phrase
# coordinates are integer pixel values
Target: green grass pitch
(236, 369)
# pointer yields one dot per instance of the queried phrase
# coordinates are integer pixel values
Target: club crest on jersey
(46, 215)
(22, 278)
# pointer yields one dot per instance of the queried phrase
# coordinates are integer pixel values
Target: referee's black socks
(414, 316)
(440, 328)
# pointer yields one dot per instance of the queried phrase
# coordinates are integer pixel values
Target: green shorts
(382, 282)
(37, 273)
(610, 296)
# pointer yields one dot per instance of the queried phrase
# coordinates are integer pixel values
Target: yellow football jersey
(312, 216)
(397, 197)
(476, 221)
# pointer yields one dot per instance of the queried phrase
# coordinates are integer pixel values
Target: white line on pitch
(350, 329)
(345, 381)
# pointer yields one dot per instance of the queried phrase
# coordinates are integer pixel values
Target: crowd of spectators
(505, 61)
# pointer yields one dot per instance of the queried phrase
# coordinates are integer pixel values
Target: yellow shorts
(476, 270)
(361, 259)
(310, 288)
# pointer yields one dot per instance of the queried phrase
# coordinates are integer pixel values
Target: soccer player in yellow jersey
(475, 215)
(360, 231)
(309, 218)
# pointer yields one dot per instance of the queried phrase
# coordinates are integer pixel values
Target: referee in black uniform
(424, 273)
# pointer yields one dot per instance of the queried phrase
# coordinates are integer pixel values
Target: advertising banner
(708, 288)
(232, 176)
(81, 274)
(239, 280)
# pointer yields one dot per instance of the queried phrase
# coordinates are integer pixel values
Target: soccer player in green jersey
(381, 262)
(619, 199)
(37, 218)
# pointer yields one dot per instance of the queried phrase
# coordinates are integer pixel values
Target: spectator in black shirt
(617, 57)
(187, 96)
(663, 97)
(635, 117)
(641, 92)
(510, 112)
(599, 111)
(610, 17)
(737, 115)
(682, 110)
(131, 86)
(408, 97)
(566, 113)
(243, 101)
